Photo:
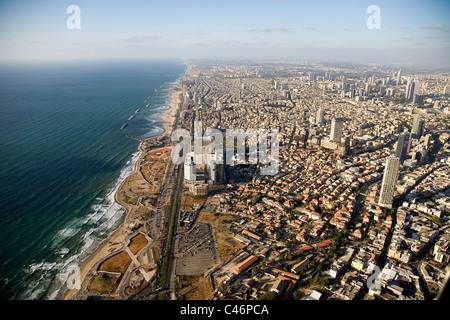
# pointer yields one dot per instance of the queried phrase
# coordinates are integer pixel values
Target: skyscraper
(320, 116)
(409, 90)
(399, 76)
(417, 99)
(399, 127)
(402, 146)
(417, 126)
(337, 125)
(190, 172)
(389, 182)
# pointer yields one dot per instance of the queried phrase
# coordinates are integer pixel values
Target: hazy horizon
(411, 32)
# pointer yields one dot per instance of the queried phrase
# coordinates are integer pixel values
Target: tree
(257, 199)
(436, 220)
(270, 296)
(319, 268)
(326, 281)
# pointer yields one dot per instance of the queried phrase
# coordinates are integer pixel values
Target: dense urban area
(359, 205)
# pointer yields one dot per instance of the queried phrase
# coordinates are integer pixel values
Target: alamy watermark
(374, 282)
(374, 20)
(72, 277)
(74, 20)
(238, 144)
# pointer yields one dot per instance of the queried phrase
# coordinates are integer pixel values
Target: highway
(173, 182)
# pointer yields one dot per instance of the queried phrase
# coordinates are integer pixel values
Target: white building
(337, 126)
(190, 170)
(389, 182)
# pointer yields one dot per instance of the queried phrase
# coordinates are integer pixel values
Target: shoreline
(109, 245)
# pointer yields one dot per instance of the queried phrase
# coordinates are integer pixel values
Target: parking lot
(196, 250)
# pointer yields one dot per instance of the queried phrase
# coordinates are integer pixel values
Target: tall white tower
(337, 125)
(320, 116)
(190, 170)
(389, 182)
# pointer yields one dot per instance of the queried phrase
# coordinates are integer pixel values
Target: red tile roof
(323, 243)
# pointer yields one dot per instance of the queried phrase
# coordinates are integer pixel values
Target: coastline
(119, 236)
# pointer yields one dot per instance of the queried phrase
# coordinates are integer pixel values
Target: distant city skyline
(411, 31)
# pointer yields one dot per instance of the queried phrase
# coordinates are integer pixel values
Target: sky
(410, 31)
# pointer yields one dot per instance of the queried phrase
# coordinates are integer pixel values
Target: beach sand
(169, 115)
(118, 237)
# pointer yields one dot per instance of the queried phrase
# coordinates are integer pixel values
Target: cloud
(309, 29)
(196, 33)
(407, 38)
(30, 41)
(141, 39)
(271, 29)
(432, 38)
(439, 26)
(403, 28)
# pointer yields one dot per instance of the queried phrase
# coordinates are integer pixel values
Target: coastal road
(172, 262)
(173, 182)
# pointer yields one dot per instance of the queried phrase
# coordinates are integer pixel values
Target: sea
(63, 154)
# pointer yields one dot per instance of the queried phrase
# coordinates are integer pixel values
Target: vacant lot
(225, 242)
(103, 283)
(189, 200)
(117, 263)
(137, 243)
(194, 287)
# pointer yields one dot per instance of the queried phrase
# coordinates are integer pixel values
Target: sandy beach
(168, 117)
(117, 239)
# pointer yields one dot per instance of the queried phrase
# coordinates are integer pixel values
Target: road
(173, 182)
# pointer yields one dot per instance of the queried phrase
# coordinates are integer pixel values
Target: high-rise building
(367, 89)
(409, 90)
(418, 99)
(417, 88)
(399, 76)
(399, 127)
(417, 126)
(190, 170)
(389, 182)
(402, 146)
(390, 92)
(446, 90)
(427, 141)
(320, 116)
(337, 125)
(197, 172)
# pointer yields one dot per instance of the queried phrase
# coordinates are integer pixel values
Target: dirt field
(137, 243)
(194, 287)
(188, 201)
(138, 186)
(143, 212)
(103, 283)
(117, 263)
(153, 167)
(225, 240)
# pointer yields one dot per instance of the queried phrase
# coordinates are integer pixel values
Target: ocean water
(62, 156)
